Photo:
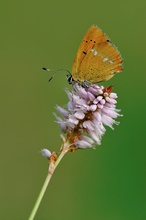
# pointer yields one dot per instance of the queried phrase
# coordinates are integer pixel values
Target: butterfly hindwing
(97, 58)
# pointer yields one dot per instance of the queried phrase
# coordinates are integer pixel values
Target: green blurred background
(108, 183)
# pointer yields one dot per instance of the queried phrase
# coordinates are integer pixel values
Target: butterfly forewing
(97, 58)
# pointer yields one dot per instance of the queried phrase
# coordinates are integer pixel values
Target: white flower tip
(79, 115)
(46, 153)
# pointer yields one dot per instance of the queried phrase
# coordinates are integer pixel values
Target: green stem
(42, 192)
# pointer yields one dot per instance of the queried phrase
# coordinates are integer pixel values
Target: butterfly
(97, 59)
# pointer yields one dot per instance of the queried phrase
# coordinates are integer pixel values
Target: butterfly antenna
(55, 71)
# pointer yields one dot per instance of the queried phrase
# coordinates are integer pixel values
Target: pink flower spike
(90, 109)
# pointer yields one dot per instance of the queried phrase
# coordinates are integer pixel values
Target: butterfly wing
(97, 58)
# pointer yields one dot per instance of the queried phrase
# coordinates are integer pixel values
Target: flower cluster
(88, 111)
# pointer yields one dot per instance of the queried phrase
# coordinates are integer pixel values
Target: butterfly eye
(69, 79)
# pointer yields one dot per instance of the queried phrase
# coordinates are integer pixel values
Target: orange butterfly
(97, 59)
